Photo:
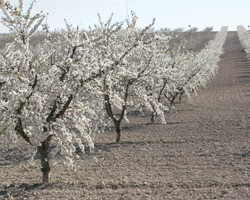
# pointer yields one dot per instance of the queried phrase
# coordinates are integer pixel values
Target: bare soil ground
(203, 152)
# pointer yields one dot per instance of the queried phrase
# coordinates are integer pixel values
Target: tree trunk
(118, 131)
(45, 168)
(152, 117)
(46, 176)
(173, 99)
(153, 113)
(181, 93)
(44, 153)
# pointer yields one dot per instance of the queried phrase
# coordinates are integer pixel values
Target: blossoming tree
(244, 38)
(43, 100)
(130, 63)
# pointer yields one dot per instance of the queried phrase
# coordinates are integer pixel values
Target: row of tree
(244, 38)
(63, 88)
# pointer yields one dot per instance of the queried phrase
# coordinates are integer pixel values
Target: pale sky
(169, 14)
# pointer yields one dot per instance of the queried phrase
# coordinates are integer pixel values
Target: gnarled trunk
(152, 117)
(117, 122)
(44, 153)
(118, 131)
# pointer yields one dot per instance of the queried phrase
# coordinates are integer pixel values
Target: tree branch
(125, 101)
(65, 107)
(19, 126)
(19, 129)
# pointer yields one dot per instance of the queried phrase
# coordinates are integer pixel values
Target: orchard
(76, 81)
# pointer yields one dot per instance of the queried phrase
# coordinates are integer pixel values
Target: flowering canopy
(61, 89)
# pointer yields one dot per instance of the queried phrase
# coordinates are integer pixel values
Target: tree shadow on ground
(17, 191)
(17, 155)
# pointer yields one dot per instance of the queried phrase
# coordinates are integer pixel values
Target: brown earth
(202, 152)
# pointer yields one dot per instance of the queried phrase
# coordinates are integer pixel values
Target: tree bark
(158, 99)
(111, 115)
(152, 117)
(118, 131)
(44, 153)
(181, 93)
